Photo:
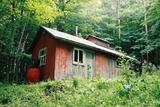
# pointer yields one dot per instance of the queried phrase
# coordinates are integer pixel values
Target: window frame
(78, 61)
(42, 58)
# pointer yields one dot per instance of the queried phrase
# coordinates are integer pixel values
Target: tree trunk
(118, 19)
(145, 25)
(19, 47)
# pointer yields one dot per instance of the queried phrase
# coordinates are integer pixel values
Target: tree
(19, 22)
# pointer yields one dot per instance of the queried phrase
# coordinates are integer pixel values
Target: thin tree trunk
(19, 47)
(118, 19)
(145, 24)
(24, 42)
(21, 38)
(21, 44)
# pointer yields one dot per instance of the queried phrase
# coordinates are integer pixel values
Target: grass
(138, 92)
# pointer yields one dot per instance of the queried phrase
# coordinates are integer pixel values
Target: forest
(130, 26)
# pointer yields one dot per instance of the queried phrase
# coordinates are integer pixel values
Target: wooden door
(90, 64)
(112, 64)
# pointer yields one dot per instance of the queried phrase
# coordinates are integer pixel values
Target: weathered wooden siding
(98, 42)
(114, 72)
(102, 65)
(90, 63)
(61, 65)
(46, 41)
(64, 67)
(59, 60)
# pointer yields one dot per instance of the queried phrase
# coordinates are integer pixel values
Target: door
(112, 67)
(90, 64)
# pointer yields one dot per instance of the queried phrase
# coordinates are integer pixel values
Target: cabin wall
(102, 65)
(105, 66)
(100, 62)
(98, 42)
(64, 67)
(46, 41)
(59, 60)
(112, 67)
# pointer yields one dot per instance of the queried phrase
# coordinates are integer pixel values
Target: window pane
(42, 52)
(76, 55)
(80, 56)
(42, 56)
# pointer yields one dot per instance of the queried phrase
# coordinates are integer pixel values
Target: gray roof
(82, 42)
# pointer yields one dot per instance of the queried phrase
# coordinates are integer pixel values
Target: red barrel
(33, 75)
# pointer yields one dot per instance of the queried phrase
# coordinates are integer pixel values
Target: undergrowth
(127, 91)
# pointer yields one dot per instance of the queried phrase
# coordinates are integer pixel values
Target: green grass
(138, 92)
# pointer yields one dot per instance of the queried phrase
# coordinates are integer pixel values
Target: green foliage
(75, 83)
(125, 70)
(20, 20)
(102, 85)
(67, 14)
(126, 91)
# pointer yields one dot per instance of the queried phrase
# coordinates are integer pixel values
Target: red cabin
(62, 55)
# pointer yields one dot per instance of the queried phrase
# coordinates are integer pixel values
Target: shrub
(75, 83)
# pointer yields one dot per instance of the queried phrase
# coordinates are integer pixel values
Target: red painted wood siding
(59, 60)
(98, 42)
(102, 65)
(46, 41)
(64, 67)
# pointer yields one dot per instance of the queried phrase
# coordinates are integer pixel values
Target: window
(78, 56)
(42, 56)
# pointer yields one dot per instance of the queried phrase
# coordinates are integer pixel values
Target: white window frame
(42, 58)
(78, 62)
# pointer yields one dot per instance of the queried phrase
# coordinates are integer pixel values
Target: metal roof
(82, 42)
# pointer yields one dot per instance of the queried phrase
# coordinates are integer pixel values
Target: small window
(42, 56)
(78, 56)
